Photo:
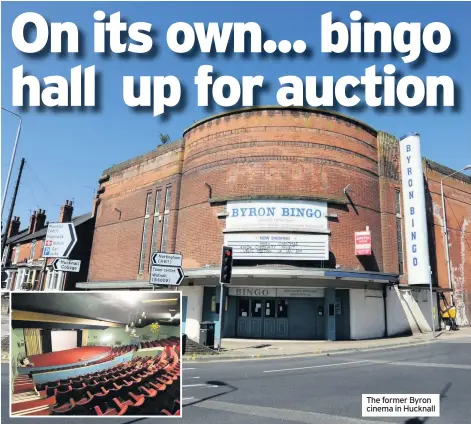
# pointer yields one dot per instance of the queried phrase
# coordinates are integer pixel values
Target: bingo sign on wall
(281, 215)
(415, 218)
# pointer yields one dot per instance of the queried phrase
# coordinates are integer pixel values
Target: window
(5, 254)
(400, 255)
(282, 308)
(16, 254)
(33, 248)
(256, 308)
(155, 224)
(163, 240)
(168, 195)
(243, 310)
(163, 243)
(142, 258)
(25, 277)
(269, 309)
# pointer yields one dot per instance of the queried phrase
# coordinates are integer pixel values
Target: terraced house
(22, 258)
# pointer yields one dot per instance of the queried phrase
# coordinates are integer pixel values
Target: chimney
(66, 212)
(40, 220)
(14, 228)
(32, 223)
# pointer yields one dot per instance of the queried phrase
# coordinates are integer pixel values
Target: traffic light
(226, 265)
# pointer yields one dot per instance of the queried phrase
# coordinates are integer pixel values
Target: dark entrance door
(269, 320)
(281, 319)
(256, 310)
(243, 318)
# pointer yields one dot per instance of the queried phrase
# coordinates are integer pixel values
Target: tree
(164, 138)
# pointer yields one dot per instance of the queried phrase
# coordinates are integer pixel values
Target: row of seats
(143, 386)
(123, 349)
(116, 351)
(171, 341)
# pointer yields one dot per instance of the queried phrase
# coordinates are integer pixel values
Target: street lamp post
(445, 227)
(7, 183)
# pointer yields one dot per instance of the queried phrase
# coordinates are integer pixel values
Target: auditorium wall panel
(18, 343)
(74, 372)
(108, 337)
(119, 337)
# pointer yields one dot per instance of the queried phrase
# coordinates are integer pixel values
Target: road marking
(187, 369)
(199, 385)
(421, 364)
(187, 398)
(190, 377)
(195, 385)
(282, 414)
(318, 366)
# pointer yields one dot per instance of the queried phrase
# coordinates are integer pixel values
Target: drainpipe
(210, 190)
(385, 293)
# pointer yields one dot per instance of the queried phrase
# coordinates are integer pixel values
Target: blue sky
(66, 151)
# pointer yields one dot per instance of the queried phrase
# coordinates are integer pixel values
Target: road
(320, 390)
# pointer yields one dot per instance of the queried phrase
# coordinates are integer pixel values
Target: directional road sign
(66, 265)
(166, 275)
(60, 240)
(167, 259)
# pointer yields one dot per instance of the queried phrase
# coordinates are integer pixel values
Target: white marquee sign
(314, 247)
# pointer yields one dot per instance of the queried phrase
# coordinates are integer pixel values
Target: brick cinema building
(288, 189)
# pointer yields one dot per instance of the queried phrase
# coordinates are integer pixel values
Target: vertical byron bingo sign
(415, 218)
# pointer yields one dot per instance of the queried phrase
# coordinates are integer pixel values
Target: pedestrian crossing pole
(221, 299)
(226, 275)
(431, 306)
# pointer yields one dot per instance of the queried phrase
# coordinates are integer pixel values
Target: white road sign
(167, 259)
(166, 276)
(66, 265)
(60, 240)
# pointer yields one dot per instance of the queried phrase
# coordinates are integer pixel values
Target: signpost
(166, 269)
(60, 240)
(167, 259)
(66, 265)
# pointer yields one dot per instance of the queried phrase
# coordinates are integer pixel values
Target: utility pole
(17, 138)
(13, 201)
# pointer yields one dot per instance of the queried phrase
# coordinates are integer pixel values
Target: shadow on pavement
(260, 346)
(423, 420)
(214, 383)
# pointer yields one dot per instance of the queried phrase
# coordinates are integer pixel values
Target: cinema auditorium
(312, 203)
(95, 354)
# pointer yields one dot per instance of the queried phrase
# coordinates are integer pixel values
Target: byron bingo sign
(280, 215)
(415, 218)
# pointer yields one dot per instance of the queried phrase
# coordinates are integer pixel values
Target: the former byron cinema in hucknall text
(337, 228)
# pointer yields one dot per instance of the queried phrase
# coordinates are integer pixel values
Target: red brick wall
(458, 211)
(279, 153)
(120, 214)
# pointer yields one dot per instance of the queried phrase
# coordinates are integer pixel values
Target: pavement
(238, 349)
(319, 389)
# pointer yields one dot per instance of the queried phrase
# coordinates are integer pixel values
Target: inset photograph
(95, 354)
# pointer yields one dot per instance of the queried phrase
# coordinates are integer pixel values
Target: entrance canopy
(265, 275)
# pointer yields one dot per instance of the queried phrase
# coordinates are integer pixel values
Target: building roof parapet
(159, 150)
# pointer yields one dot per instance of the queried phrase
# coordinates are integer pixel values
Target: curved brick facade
(268, 154)
(282, 153)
